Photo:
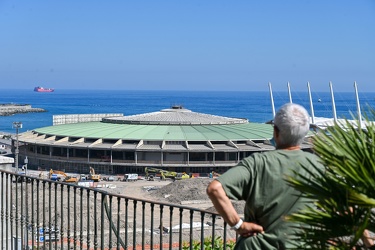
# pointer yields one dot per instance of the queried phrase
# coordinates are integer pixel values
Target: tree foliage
(343, 194)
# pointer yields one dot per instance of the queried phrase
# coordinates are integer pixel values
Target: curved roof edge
(177, 115)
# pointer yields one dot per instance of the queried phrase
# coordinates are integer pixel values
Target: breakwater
(14, 108)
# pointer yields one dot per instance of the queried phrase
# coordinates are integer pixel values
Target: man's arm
(224, 207)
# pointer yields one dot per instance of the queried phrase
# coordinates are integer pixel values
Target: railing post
(95, 221)
(44, 214)
(102, 220)
(202, 230)
(110, 221)
(143, 224)
(118, 223)
(33, 227)
(88, 218)
(170, 226)
(16, 211)
(152, 224)
(68, 216)
(49, 211)
(5, 208)
(62, 216)
(126, 221)
(161, 227)
(180, 232)
(134, 223)
(37, 209)
(213, 231)
(55, 234)
(191, 228)
(75, 217)
(81, 218)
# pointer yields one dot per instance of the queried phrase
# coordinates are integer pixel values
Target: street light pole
(17, 126)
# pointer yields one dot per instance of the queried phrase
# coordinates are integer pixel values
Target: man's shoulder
(276, 153)
(281, 156)
(260, 159)
(261, 156)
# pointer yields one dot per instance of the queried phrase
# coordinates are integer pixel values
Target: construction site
(65, 207)
(156, 184)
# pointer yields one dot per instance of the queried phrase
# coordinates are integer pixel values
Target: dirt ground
(175, 192)
(188, 192)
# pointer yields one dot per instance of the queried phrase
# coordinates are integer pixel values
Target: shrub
(210, 244)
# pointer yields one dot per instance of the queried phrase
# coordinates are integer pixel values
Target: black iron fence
(43, 214)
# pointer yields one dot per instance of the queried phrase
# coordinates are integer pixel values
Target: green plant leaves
(343, 195)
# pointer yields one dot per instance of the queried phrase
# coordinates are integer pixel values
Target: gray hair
(293, 122)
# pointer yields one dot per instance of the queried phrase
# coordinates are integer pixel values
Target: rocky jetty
(13, 108)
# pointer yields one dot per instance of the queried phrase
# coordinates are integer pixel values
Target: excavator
(166, 174)
(56, 175)
(93, 176)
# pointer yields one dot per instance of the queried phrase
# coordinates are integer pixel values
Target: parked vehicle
(130, 177)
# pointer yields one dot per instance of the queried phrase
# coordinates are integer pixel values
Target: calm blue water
(255, 106)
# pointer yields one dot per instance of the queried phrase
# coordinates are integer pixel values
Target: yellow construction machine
(166, 174)
(57, 175)
(93, 176)
(181, 176)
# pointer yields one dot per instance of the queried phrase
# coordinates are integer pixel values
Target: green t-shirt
(260, 180)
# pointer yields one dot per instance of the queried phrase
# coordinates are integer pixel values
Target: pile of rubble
(189, 190)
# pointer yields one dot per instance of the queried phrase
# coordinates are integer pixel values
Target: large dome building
(174, 139)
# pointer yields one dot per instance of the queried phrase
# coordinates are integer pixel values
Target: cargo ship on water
(41, 89)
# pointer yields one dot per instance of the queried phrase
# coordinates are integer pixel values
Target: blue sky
(187, 45)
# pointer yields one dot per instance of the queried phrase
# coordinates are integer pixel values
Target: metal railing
(43, 214)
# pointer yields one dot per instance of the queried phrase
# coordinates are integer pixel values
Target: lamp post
(17, 126)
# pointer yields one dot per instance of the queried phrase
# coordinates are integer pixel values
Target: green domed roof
(174, 124)
(252, 131)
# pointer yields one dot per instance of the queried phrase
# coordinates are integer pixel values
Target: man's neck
(291, 148)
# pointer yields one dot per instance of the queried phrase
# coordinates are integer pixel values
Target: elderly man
(259, 180)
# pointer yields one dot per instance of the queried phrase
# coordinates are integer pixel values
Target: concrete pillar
(5, 165)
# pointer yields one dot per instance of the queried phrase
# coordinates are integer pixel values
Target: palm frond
(341, 196)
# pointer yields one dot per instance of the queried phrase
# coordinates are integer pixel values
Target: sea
(254, 106)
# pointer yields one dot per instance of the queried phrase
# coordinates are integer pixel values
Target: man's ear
(275, 131)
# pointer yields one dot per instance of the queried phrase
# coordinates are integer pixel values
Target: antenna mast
(272, 103)
(290, 94)
(358, 106)
(333, 103)
(311, 104)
